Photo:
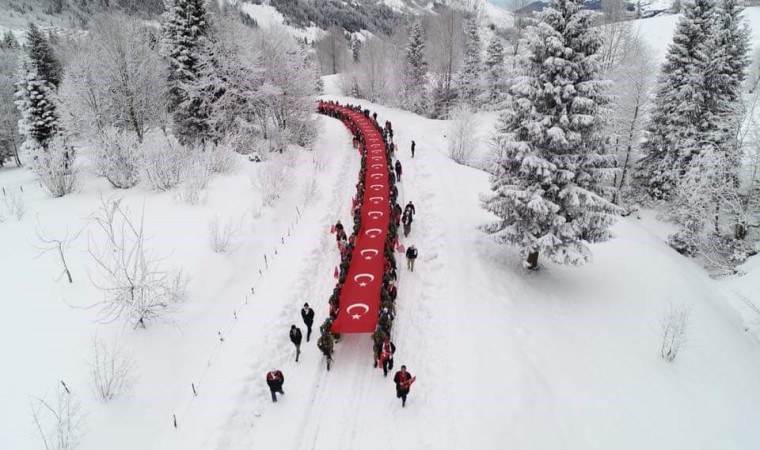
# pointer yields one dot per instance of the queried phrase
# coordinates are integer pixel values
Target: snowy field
(561, 358)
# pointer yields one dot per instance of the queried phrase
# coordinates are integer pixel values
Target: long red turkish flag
(360, 296)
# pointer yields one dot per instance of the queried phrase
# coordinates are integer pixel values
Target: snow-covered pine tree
(470, 82)
(679, 110)
(552, 181)
(10, 139)
(356, 48)
(185, 28)
(34, 100)
(415, 69)
(494, 72)
(42, 56)
(724, 78)
(711, 175)
(9, 41)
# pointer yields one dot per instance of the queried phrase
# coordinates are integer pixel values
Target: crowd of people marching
(383, 347)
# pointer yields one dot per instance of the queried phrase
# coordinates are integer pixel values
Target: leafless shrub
(15, 205)
(118, 157)
(195, 178)
(462, 143)
(221, 158)
(222, 235)
(60, 423)
(112, 370)
(675, 324)
(135, 285)
(164, 158)
(54, 167)
(47, 243)
(269, 178)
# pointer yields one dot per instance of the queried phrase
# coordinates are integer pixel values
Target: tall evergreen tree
(356, 47)
(494, 71)
(185, 30)
(10, 138)
(42, 56)
(9, 40)
(552, 176)
(680, 110)
(415, 69)
(34, 99)
(710, 178)
(729, 50)
(470, 82)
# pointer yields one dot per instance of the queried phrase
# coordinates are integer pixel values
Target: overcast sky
(502, 3)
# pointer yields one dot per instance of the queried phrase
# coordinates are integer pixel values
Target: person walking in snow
(307, 314)
(414, 144)
(325, 344)
(275, 380)
(403, 380)
(407, 221)
(410, 207)
(295, 338)
(386, 355)
(411, 255)
(397, 212)
(398, 170)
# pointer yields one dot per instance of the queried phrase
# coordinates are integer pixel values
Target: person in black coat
(410, 207)
(295, 338)
(398, 170)
(414, 144)
(275, 380)
(307, 314)
(411, 255)
(406, 219)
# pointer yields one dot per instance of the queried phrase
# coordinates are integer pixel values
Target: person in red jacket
(403, 380)
(275, 380)
(387, 349)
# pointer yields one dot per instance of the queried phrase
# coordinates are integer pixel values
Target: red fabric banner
(360, 296)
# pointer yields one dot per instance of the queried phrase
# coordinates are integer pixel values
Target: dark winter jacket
(325, 344)
(402, 380)
(275, 380)
(410, 207)
(411, 253)
(407, 218)
(295, 335)
(398, 167)
(307, 316)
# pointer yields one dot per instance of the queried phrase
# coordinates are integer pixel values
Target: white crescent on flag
(375, 200)
(363, 276)
(370, 253)
(376, 187)
(377, 166)
(375, 176)
(352, 306)
(373, 232)
(375, 214)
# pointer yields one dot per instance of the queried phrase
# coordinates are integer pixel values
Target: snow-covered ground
(561, 358)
